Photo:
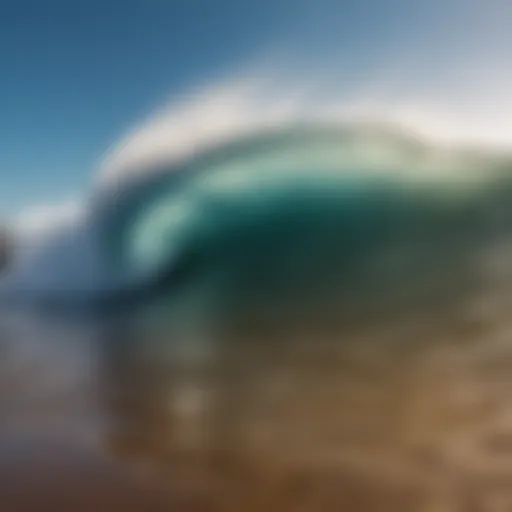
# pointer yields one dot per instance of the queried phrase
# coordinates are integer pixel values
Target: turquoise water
(309, 220)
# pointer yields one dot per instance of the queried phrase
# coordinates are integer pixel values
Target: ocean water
(318, 320)
(397, 413)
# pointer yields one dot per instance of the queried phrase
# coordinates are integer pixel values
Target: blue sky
(74, 75)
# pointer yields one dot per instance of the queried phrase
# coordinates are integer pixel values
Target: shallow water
(408, 414)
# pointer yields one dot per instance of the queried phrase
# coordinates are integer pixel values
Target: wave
(313, 216)
(240, 197)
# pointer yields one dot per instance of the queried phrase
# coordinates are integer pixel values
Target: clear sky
(75, 74)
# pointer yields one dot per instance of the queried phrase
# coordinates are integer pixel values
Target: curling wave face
(309, 218)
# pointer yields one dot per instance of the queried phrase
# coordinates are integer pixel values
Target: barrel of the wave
(234, 205)
(323, 217)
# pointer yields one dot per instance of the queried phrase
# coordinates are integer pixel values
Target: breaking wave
(252, 194)
(310, 215)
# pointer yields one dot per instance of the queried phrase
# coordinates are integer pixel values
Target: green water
(312, 219)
